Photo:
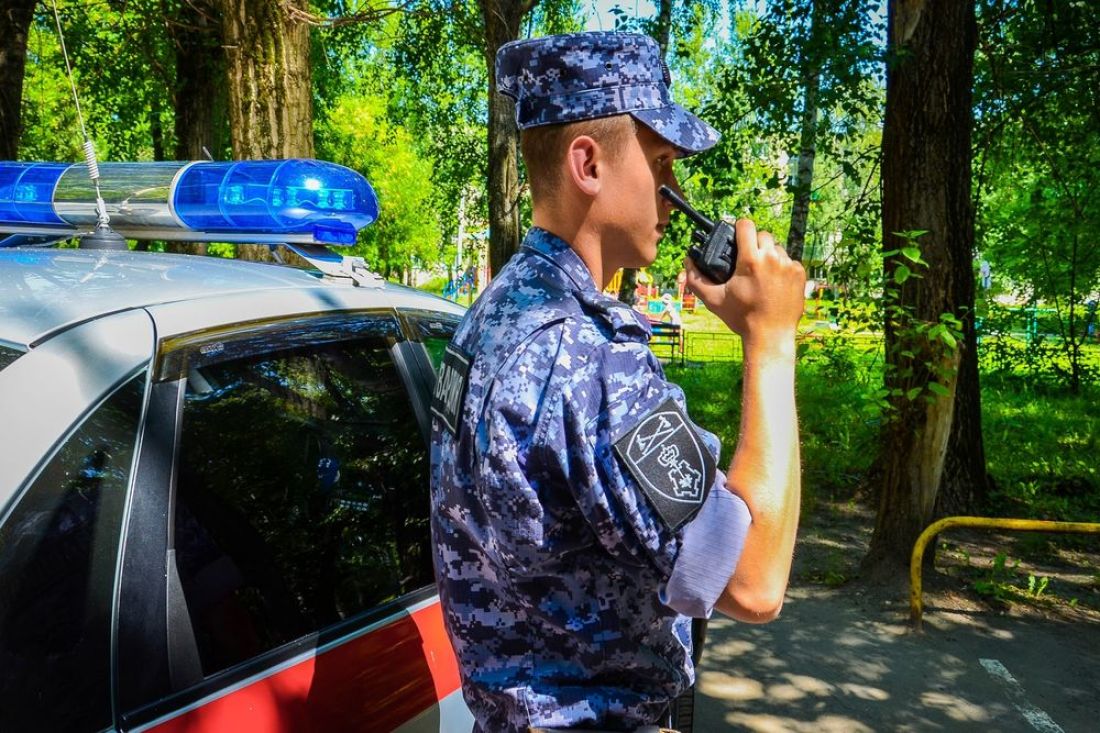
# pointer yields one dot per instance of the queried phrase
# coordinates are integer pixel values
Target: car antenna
(103, 237)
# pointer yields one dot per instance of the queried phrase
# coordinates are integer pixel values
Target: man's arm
(762, 302)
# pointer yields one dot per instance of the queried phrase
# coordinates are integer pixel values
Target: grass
(1042, 448)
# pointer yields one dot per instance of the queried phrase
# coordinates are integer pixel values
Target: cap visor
(679, 127)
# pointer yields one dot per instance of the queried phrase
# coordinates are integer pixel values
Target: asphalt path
(835, 661)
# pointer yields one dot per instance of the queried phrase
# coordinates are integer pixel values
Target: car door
(72, 409)
(277, 566)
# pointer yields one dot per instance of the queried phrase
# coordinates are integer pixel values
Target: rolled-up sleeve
(711, 546)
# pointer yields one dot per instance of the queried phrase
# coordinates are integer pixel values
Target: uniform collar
(626, 322)
(558, 252)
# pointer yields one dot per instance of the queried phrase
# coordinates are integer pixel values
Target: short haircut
(544, 146)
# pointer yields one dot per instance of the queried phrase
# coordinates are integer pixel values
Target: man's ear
(583, 163)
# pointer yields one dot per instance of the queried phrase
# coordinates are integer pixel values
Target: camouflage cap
(582, 76)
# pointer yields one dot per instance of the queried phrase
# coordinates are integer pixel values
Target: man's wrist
(766, 350)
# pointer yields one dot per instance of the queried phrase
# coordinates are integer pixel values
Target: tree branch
(370, 15)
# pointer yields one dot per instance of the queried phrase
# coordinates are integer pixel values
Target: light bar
(26, 193)
(295, 200)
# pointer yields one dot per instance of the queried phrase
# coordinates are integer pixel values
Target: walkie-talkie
(715, 248)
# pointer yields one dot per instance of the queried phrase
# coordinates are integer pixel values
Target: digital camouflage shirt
(578, 517)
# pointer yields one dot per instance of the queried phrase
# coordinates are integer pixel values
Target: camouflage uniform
(578, 518)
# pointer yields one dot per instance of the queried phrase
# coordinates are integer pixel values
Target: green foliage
(435, 285)
(997, 581)
(1039, 164)
(50, 129)
(837, 377)
(753, 92)
(921, 353)
(839, 391)
(1036, 586)
(1041, 445)
(1016, 346)
(358, 134)
(432, 71)
(123, 67)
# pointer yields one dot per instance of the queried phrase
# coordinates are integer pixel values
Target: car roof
(43, 291)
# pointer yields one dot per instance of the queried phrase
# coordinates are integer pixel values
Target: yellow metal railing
(916, 608)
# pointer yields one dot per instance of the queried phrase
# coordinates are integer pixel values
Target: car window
(58, 550)
(7, 356)
(435, 332)
(302, 494)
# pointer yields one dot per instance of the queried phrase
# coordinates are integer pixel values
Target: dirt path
(844, 658)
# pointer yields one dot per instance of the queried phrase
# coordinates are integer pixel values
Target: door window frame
(155, 647)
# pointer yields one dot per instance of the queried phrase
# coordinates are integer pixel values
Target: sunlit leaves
(357, 134)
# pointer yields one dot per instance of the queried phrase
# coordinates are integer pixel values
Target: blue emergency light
(264, 201)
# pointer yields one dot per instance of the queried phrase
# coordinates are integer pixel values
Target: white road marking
(1039, 720)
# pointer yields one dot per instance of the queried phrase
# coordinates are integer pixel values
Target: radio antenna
(104, 237)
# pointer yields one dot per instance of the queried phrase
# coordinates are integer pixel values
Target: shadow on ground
(839, 661)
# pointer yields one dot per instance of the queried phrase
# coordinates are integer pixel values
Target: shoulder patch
(669, 461)
(450, 387)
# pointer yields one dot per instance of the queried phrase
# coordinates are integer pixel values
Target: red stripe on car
(375, 682)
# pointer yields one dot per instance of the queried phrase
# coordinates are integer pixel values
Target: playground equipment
(462, 285)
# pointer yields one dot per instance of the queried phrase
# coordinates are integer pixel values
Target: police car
(213, 474)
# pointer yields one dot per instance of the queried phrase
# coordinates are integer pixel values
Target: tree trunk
(1070, 338)
(629, 283)
(926, 186)
(807, 150)
(269, 84)
(664, 25)
(200, 95)
(966, 483)
(15, 20)
(502, 22)
(804, 177)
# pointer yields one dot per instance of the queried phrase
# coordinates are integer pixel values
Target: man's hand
(762, 302)
(764, 299)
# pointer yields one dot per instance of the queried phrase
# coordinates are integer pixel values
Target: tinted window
(435, 333)
(302, 495)
(57, 558)
(7, 356)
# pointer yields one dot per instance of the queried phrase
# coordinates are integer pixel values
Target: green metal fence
(700, 347)
(710, 346)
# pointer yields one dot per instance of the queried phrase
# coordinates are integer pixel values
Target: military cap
(583, 76)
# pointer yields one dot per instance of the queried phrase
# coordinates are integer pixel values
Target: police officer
(579, 519)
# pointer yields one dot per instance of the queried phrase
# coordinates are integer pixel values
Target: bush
(435, 285)
(1008, 352)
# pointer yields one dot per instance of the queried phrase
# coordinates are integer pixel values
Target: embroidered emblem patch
(450, 387)
(669, 461)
